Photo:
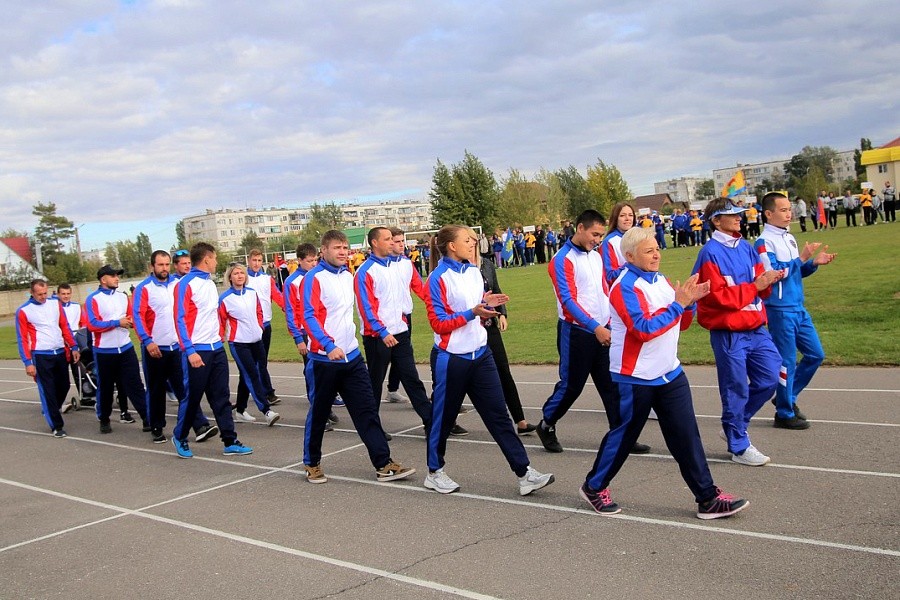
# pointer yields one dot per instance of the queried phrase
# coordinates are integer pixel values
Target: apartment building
(226, 227)
(756, 173)
(683, 189)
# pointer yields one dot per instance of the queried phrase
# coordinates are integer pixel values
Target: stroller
(83, 371)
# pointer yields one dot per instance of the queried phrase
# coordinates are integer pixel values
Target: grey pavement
(116, 516)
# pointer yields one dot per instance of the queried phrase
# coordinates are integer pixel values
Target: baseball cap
(108, 270)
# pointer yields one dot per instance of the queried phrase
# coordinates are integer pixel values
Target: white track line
(552, 507)
(378, 573)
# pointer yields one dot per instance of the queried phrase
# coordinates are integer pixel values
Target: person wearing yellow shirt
(530, 240)
(646, 222)
(752, 221)
(865, 200)
(696, 227)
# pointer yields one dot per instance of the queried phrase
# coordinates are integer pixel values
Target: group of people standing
(618, 322)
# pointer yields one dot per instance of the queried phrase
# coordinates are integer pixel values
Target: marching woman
(621, 220)
(462, 362)
(241, 312)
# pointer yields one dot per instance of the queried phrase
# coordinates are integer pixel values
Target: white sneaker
(272, 417)
(653, 415)
(751, 457)
(244, 416)
(534, 480)
(394, 397)
(172, 397)
(67, 406)
(440, 482)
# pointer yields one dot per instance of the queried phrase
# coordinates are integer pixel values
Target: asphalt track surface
(116, 516)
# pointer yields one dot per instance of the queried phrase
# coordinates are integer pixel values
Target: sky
(131, 115)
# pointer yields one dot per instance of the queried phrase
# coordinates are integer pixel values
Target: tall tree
(467, 194)
(521, 202)
(706, 190)
(181, 240)
(798, 167)
(250, 241)
(322, 218)
(608, 186)
(556, 202)
(52, 230)
(864, 144)
(576, 191)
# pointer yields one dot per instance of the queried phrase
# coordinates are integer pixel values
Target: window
(882, 169)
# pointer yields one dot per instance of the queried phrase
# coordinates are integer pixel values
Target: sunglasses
(180, 253)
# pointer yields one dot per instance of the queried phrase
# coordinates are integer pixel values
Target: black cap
(108, 270)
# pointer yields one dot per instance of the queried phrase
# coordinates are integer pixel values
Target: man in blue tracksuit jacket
(790, 325)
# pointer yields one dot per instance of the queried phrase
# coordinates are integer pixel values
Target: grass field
(855, 303)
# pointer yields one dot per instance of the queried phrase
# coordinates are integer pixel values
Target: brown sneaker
(315, 474)
(393, 471)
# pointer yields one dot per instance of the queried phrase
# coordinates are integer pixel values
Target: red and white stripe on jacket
(105, 308)
(240, 313)
(378, 292)
(646, 323)
(75, 315)
(42, 328)
(152, 311)
(577, 276)
(453, 289)
(268, 292)
(196, 306)
(410, 279)
(328, 311)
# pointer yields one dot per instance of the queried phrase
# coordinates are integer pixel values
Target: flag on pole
(508, 241)
(736, 185)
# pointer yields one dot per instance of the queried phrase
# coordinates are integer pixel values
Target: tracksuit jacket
(268, 292)
(196, 313)
(105, 307)
(378, 288)
(453, 289)
(580, 286)
(153, 312)
(329, 324)
(241, 313)
(293, 305)
(778, 251)
(611, 251)
(42, 328)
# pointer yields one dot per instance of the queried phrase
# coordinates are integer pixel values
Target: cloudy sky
(130, 115)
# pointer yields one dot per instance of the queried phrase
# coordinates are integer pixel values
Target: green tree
(248, 243)
(322, 218)
(52, 230)
(283, 243)
(467, 194)
(555, 203)
(521, 202)
(864, 144)
(578, 196)
(607, 186)
(809, 186)
(706, 190)
(799, 166)
(181, 240)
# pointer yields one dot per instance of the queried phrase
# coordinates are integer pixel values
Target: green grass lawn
(855, 303)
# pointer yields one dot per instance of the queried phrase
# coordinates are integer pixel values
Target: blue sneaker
(338, 401)
(237, 448)
(182, 448)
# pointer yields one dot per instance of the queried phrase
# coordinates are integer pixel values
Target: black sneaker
(273, 399)
(333, 418)
(795, 408)
(794, 422)
(548, 437)
(126, 417)
(600, 501)
(158, 437)
(329, 426)
(639, 448)
(205, 432)
(60, 433)
(105, 427)
(458, 430)
(723, 505)
(524, 430)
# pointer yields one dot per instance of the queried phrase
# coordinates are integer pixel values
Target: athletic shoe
(182, 448)
(458, 430)
(393, 471)
(237, 449)
(273, 399)
(329, 426)
(441, 482)
(158, 437)
(272, 417)
(338, 401)
(105, 427)
(527, 429)
(244, 416)
(533, 481)
(795, 423)
(60, 433)
(67, 406)
(600, 501)
(796, 410)
(333, 417)
(205, 432)
(639, 448)
(394, 397)
(751, 457)
(548, 437)
(315, 474)
(653, 415)
(126, 417)
(723, 505)
(388, 437)
(172, 397)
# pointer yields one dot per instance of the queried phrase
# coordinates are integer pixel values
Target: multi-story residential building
(226, 227)
(756, 173)
(683, 189)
